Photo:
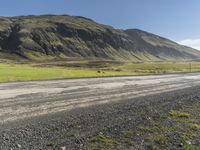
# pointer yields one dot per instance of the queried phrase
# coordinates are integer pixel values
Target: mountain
(56, 37)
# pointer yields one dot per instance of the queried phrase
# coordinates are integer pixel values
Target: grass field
(160, 67)
(78, 69)
(14, 72)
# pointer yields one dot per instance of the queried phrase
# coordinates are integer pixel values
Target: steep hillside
(159, 47)
(49, 36)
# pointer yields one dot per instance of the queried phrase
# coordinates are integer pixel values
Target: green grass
(79, 69)
(191, 147)
(179, 114)
(102, 142)
(194, 126)
(14, 72)
(160, 67)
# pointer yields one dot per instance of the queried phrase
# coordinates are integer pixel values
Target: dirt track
(32, 113)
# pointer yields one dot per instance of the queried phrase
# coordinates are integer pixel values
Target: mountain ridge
(63, 36)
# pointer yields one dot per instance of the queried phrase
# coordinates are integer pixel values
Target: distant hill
(56, 37)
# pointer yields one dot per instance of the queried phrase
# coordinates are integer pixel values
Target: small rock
(5, 137)
(63, 148)
(19, 146)
(148, 118)
(189, 142)
(180, 145)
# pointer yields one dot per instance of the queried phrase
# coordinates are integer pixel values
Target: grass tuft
(179, 114)
(195, 126)
(102, 142)
(191, 147)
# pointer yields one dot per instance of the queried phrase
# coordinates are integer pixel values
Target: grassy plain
(16, 72)
(10, 71)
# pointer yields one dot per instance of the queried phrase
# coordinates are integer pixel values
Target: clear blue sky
(174, 19)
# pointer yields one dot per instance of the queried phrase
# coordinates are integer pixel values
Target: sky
(178, 20)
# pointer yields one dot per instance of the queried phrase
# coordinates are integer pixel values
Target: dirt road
(29, 99)
(65, 114)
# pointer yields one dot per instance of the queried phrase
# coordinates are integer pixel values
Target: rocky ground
(161, 121)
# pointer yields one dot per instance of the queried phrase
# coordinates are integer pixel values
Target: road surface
(22, 100)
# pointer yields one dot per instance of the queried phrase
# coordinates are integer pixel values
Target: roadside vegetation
(13, 72)
(177, 129)
(24, 71)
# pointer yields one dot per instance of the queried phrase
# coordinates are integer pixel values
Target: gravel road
(68, 112)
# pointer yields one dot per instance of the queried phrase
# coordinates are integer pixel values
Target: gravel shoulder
(116, 125)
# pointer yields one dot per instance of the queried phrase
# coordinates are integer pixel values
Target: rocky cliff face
(44, 37)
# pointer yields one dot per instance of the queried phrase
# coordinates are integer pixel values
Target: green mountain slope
(49, 36)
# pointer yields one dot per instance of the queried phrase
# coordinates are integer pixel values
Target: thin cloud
(194, 43)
